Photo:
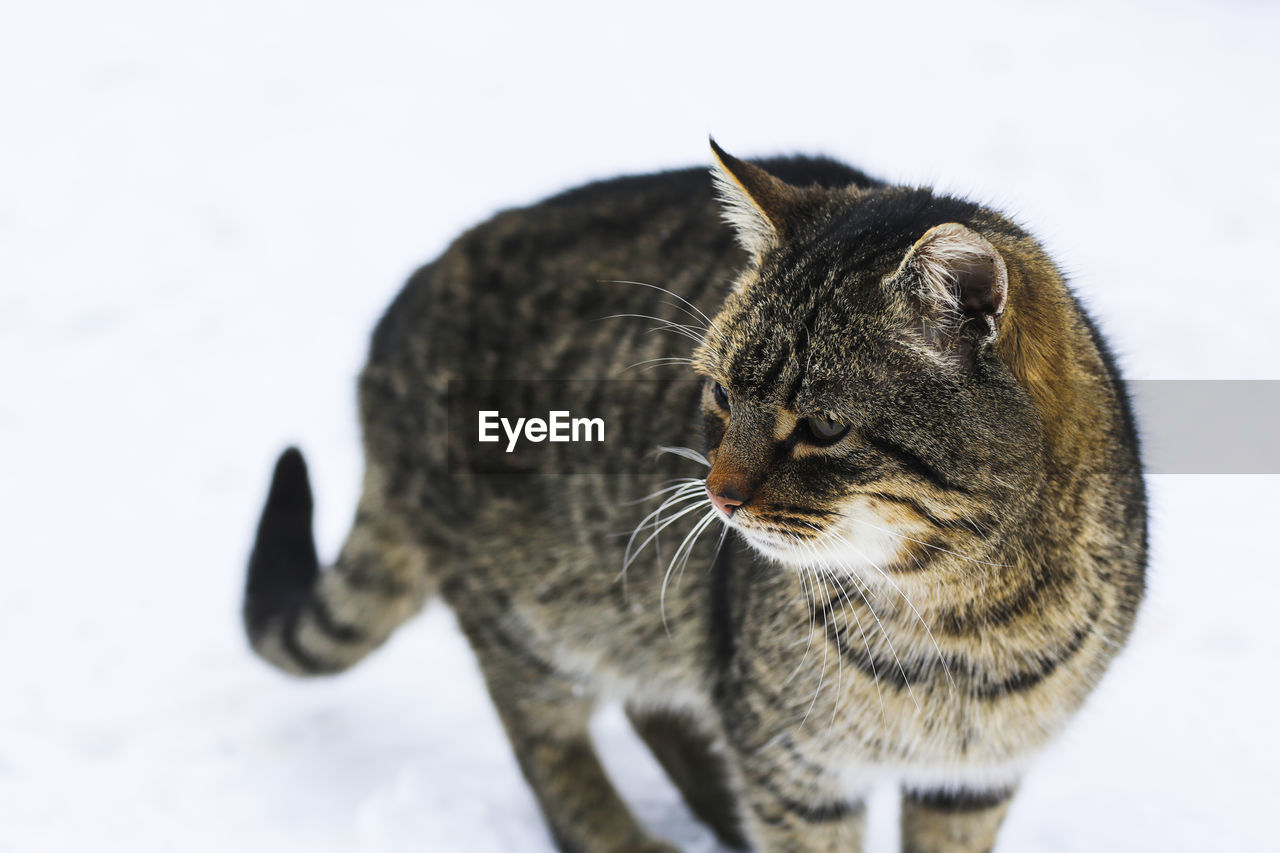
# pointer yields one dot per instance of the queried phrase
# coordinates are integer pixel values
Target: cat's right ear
(960, 284)
(755, 203)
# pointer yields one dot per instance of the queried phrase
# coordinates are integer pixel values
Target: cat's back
(526, 293)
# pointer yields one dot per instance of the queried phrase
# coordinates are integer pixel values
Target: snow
(204, 207)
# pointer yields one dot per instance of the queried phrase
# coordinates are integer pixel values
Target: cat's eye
(721, 395)
(823, 431)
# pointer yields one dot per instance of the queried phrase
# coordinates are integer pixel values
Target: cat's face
(851, 421)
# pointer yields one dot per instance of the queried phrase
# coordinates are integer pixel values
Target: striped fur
(927, 596)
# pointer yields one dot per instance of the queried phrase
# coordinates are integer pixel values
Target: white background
(204, 207)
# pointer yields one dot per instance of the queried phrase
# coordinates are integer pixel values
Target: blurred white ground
(204, 207)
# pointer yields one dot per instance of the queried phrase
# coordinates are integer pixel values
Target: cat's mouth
(791, 547)
(848, 544)
(784, 547)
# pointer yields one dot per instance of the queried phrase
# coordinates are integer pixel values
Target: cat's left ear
(755, 203)
(961, 284)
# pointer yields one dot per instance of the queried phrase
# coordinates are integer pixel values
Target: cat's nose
(726, 500)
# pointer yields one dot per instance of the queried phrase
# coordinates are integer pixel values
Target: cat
(895, 524)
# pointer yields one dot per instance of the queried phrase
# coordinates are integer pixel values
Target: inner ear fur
(961, 282)
(756, 203)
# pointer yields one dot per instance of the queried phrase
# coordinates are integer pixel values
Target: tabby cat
(876, 514)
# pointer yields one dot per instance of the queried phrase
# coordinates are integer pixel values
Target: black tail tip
(290, 485)
(283, 564)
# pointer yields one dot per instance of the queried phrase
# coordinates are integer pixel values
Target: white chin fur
(862, 544)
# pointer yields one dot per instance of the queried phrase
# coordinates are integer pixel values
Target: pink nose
(727, 502)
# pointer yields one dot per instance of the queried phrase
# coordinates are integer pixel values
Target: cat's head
(857, 411)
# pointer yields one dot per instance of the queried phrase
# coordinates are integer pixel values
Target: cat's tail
(312, 622)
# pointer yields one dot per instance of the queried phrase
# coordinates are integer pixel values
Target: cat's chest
(854, 694)
(857, 735)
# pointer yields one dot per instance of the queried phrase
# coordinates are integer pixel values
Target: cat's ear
(755, 203)
(960, 284)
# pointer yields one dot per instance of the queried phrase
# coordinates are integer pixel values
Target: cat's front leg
(788, 808)
(695, 763)
(546, 715)
(951, 822)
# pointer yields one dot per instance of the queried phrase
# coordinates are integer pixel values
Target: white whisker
(680, 483)
(805, 590)
(660, 525)
(683, 452)
(705, 318)
(689, 332)
(653, 363)
(689, 541)
(941, 658)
